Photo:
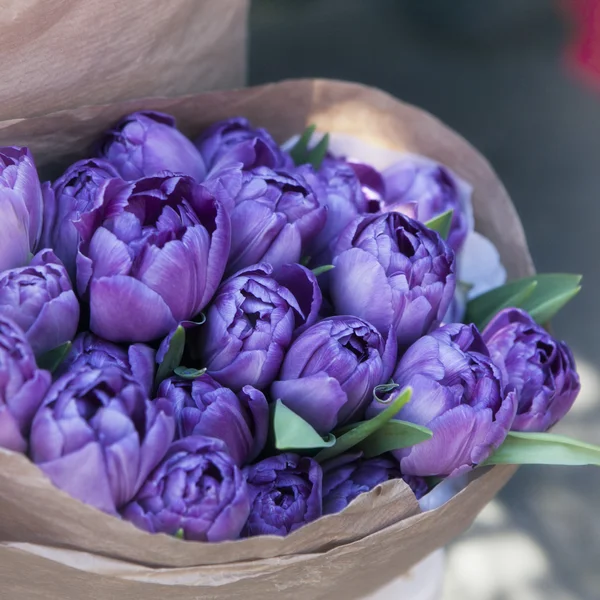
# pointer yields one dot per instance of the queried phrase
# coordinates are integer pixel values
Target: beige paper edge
(284, 108)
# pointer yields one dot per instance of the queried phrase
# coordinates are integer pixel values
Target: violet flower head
(203, 407)
(151, 255)
(285, 494)
(147, 143)
(235, 142)
(541, 368)
(197, 492)
(330, 371)
(40, 300)
(71, 195)
(88, 350)
(393, 272)
(423, 189)
(21, 207)
(458, 393)
(97, 436)
(22, 386)
(251, 322)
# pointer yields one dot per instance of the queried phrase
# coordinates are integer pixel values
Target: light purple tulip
(40, 300)
(251, 323)
(71, 195)
(541, 368)
(97, 436)
(393, 272)
(22, 386)
(203, 407)
(151, 255)
(285, 494)
(458, 393)
(197, 492)
(20, 207)
(330, 371)
(147, 143)
(88, 350)
(235, 142)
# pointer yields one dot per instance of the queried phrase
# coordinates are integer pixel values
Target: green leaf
(305, 261)
(188, 373)
(292, 432)
(361, 431)
(180, 534)
(317, 154)
(299, 152)
(173, 356)
(322, 269)
(521, 448)
(392, 436)
(441, 223)
(51, 360)
(541, 295)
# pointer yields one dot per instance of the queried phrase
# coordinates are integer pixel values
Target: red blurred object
(583, 53)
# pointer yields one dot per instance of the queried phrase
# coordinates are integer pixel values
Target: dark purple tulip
(21, 207)
(197, 491)
(337, 187)
(151, 255)
(71, 195)
(203, 407)
(285, 493)
(423, 189)
(40, 300)
(458, 393)
(235, 141)
(275, 215)
(22, 386)
(147, 143)
(251, 322)
(393, 272)
(330, 371)
(97, 436)
(89, 350)
(541, 368)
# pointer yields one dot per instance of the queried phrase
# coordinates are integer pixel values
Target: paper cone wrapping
(55, 548)
(59, 54)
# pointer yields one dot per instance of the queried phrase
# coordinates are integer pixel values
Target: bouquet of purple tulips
(223, 337)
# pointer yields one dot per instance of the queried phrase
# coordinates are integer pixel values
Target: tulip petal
(259, 409)
(14, 240)
(10, 434)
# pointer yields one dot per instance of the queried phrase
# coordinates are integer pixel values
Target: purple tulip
(197, 491)
(330, 371)
(371, 183)
(275, 216)
(251, 322)
(337, 187)
(97, 436)
(22, 386)
(423, 189)
(147, 143)
(458, 393)
(21, 207)
(235, 141)
(393, 272)
(89, 350)
(151, 255)
(348, 475)
(541, 368)
(40, 300)
(71, 195)
(285, 493)
(203, 407)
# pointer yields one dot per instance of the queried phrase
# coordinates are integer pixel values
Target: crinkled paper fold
(55, 548)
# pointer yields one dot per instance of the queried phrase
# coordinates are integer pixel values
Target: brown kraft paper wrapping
(57, 548)
(59, 54)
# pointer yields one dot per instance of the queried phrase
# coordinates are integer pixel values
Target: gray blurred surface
(497, 77)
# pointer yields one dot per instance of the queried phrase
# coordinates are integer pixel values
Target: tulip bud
(147, 143)
(541, 368)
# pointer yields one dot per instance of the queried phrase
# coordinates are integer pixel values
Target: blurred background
(517, 78)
